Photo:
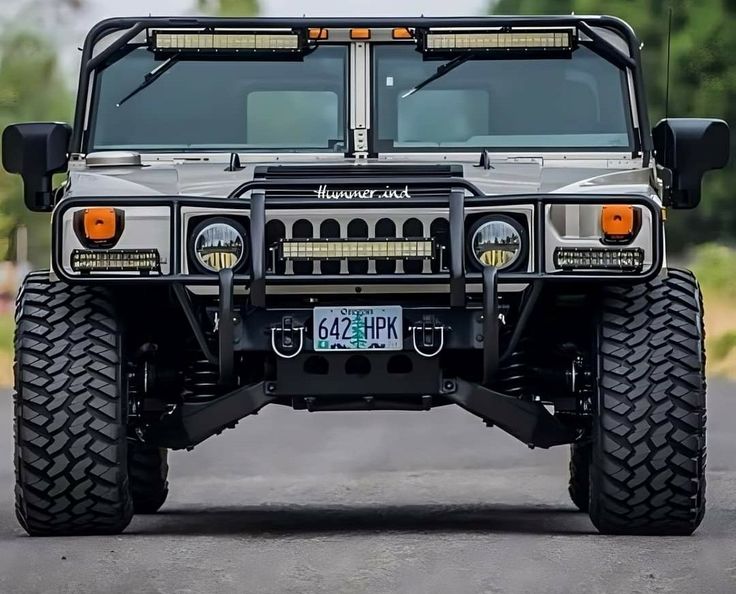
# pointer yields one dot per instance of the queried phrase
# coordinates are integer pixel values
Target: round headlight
(219, 245)
(497, 242)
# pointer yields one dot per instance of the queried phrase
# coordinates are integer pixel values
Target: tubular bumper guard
(191, 423)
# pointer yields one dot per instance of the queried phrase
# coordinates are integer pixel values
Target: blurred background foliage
(35, 87)
(28, 69)
(228, 8)
(702, 84)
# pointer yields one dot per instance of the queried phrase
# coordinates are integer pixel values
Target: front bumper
(286, 333)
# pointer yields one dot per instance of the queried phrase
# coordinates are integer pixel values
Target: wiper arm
(440, 72)
(150, 78)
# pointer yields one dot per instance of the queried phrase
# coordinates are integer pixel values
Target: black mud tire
(148, 470)
(579, 485)
(647, 474)
(70, 411)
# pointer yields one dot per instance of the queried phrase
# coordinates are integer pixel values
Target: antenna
(667, 81)
(665, 174)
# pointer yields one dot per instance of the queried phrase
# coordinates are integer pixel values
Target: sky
(308, 7)
(68, 30)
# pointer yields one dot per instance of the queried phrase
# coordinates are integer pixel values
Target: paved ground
(377, 502)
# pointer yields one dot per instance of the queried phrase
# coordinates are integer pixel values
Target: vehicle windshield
(223, 104)
(577, 103)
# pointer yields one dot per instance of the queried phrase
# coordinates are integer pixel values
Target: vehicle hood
(202, 177)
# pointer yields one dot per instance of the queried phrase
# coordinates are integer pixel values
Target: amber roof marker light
(402, 33)
(360, 33)
(318, 33)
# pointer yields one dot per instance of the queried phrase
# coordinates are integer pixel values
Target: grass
(722, 346)
(715, 267)
(7, 328)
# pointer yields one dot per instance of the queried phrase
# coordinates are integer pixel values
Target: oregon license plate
(358, 328)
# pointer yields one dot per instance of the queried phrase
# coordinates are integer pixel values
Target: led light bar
(224, 41)
(625, 260)
(561, 40)
(363, 249)
(143, 261)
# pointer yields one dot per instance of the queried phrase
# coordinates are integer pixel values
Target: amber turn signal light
(99, 226)
(617, 222)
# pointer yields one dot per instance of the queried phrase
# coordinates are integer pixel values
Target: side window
(298, 119)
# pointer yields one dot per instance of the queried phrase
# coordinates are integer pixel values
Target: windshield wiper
(440, 72)
(150, 78)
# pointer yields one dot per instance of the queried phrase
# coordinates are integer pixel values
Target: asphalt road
(376, 502)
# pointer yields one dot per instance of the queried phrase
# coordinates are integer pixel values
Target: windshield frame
(385, 146)
(112, 35)
(94, 111)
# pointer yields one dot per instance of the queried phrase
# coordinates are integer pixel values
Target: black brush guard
(191, 423)
(530, 422)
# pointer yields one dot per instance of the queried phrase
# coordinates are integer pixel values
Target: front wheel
(647, 472)
(70, 411)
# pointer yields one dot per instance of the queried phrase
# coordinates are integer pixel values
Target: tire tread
(70, 439)
(648, 462)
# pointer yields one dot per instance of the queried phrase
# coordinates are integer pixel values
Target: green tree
(229, 8)
(32, 88)
(702, 83)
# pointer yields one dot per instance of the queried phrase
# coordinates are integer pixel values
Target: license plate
(358, 328)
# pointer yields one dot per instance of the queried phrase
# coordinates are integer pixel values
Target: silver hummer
(360, 214)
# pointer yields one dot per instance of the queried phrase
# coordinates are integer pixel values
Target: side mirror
(689, 147)
(36, 151)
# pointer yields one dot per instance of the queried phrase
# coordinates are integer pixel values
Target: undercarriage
(491, 358)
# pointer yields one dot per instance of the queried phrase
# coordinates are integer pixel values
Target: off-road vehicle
(360, 214)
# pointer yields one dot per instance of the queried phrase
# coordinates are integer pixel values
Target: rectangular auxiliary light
(224, 41)
(542, 40)
(616, 259)
(363, 249)
(116, 261)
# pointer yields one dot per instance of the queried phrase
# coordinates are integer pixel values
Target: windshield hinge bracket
(360, 143)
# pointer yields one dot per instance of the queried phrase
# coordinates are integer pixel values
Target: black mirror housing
(36, 151)
(689, 147)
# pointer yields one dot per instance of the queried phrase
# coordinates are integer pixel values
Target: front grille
(351, 224)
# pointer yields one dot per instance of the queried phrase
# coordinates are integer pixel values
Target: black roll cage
(135, 25)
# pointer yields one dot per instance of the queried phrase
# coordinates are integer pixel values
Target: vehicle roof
(393, 21)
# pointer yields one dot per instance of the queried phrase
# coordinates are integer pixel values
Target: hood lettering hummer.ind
(360, 214)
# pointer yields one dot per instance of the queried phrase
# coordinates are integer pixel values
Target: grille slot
(358, 224)
(357, 229)
(302, 229)
(440, 229)
(412, 228)
(329, 229)
(385, 228)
